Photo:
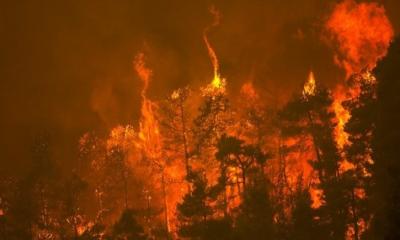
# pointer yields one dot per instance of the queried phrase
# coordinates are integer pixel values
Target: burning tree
(311, 115)
(385, 148)
(176, 128)
(358, 150)
(206, 165)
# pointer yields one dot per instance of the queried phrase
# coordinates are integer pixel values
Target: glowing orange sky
(66, 67)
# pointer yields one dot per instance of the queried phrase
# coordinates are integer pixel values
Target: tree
(252, 122)
(110, 173)
(71, 214)
(303, 225)
(255, 220)
(232, 152)
(212, 121)
(175, 121)
(33, 206)
(194, 211)
(386, 149)
(311, 115)
(358, 151)
(127, 228)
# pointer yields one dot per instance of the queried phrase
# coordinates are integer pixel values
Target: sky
(66, 67)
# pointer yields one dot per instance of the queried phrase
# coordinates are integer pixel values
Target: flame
(143, 72)
(342, 117)
(149, 132)
(175, 94)
(368, 77)
(362, 32)
(340, 95)
(151, 143)
(218, 83)
(122, 136)
(310, 86)
(249, 91)
(316, 198)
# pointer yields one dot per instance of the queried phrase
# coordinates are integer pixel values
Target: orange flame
(217, 83)
(143, 72)
(342, 117)
(122, 136)
(363, 34)
(149, 132)
(310, 86)
(152, 145)
(316, 198)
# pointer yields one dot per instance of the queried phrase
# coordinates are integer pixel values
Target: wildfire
(152, 145)
(289, 148)
(218, 83)
(310, 86)
(342, 116)
(122, 136)
(316, 195)
(368, 77)
(149, 131)
(248, 91)
(362, 32)
(143, 72)
(175, 94)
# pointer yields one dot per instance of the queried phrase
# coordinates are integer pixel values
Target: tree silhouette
(312, 115)
(176, 126)
(385, 146)
(127, 228)
(360, 129)
(255, 220)
(303, 226)
(194, 211)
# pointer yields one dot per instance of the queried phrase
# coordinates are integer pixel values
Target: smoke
(67, 67)
(361, 32)
(143, 72)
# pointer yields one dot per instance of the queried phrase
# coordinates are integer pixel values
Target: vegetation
(228, 170)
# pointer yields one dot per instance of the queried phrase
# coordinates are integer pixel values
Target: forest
(209, 163)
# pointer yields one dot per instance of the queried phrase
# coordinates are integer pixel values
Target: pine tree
(212, 121)
(232, 152)
(195, 212)
(386, 149)
(175, 123)
(311, 115)
(255, 220)
(177, 132)
(303, 226)
(358, 151)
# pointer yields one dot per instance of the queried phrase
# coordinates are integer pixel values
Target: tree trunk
(319, 159)
(166, 217)
(355, 217)
(185, 146)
